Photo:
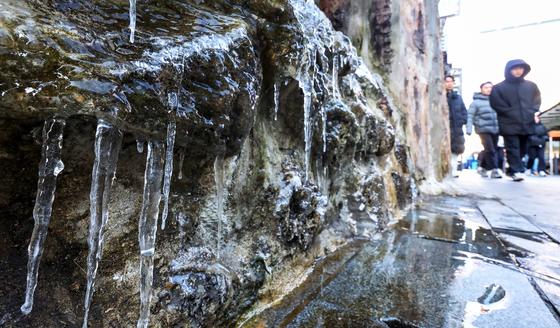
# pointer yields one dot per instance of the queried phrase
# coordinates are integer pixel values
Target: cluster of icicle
(157, 182)
(312, 65)
(323, 52)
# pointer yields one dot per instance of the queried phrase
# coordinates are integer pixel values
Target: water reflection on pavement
(440, 266)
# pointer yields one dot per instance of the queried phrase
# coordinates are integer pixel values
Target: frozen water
(181, 160)
(50, 166)
(147, 226)
(171, 131)
(276, 99)
(107, 145)
(219, 180)
(140, 145)
(132, 18)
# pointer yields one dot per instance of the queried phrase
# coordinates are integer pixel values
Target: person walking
(537, 143)
(457, 118)
(485, 121)
(516, 101)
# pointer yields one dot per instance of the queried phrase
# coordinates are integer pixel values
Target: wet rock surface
(283, 147)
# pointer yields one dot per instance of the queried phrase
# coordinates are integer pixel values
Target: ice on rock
(107, 145)
(49, 168)
(276, 99)
(219, 180)
(132, 18)
(147, 226)
(181, 160)
(140, 145)
(316, 43)
(168, 174)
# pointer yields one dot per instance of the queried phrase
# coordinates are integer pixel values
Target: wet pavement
(449, 263)
(536, 199)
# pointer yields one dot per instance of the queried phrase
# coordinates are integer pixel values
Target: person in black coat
(457, 118)
(537, 143)
(516, 101)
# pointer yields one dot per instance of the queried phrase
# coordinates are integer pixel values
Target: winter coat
(516, 100)
(540, 137)
(457, 118)
(483, 117)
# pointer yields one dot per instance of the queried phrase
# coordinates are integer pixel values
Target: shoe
(483, 173)
(517, 177)
(542, 174)
(495, 174)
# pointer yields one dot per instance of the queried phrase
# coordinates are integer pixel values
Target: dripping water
(168, 173)
(50, 166)
(147, 226)
(107, 145)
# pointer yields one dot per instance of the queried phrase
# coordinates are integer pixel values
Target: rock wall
(400, 40)
(287, 144)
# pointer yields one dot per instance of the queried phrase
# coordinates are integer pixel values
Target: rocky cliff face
(260, 136)
(400, 40)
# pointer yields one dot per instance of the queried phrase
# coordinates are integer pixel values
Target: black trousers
(490, 156)
(500, 152)
(516, 149)
(534, 153)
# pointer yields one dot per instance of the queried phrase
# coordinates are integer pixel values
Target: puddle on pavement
(412, 275)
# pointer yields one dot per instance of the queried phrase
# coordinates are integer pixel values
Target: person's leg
(480, 158)
(454, 171)
(540, 156)
(490, 149)
(500, 151)
(494, 163)
(523, 146)
(513, 147)
(532, 156)
(485, 140)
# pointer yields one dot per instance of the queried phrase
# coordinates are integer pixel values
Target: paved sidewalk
(535, 198)
(526, 217)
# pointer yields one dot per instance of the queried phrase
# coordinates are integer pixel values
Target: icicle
(307, 86)
(276, 99)
(181, 160)
(219, 180)
(107, 145)
(171, 131)
(147, 226)
(140, 145)
(132, 18)
(49, 168)
(335, 76)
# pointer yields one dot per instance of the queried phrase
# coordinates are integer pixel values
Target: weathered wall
(400, 39)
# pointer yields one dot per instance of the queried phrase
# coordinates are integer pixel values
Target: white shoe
(542, 174)
(496, 174)
(517, 177)
(483, 173)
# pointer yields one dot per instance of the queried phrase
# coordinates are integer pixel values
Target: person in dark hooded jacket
(537, 143)
(457, 118)
(516, 101)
